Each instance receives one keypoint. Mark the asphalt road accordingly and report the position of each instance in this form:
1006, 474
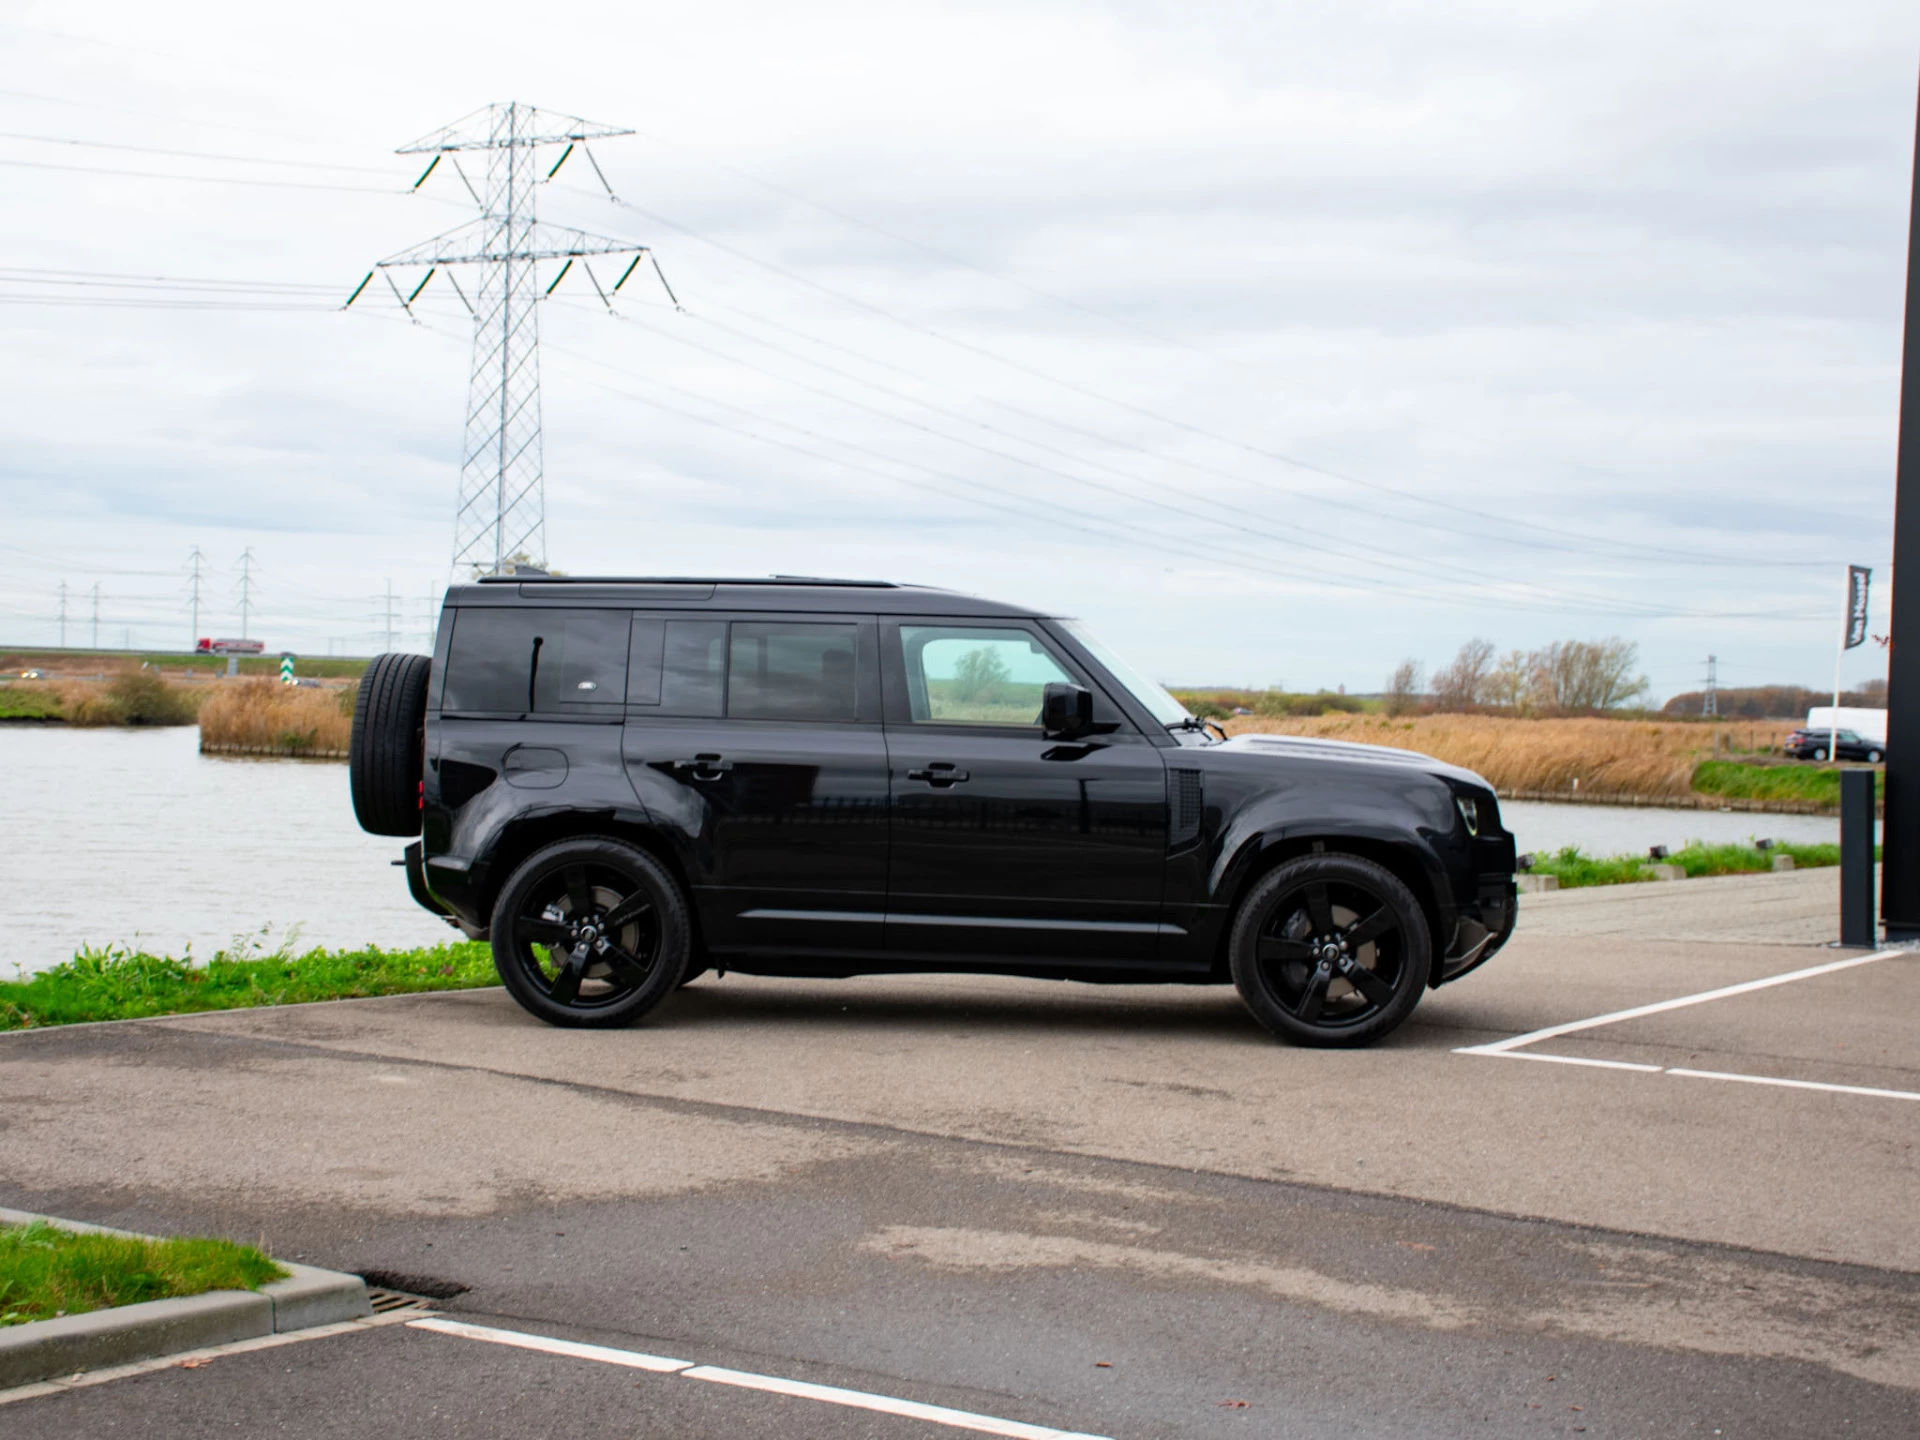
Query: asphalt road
1118, 1213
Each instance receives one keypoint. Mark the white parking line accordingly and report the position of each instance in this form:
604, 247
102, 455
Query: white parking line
746, 1379
1509, 1049
1499, 1047
547, 1344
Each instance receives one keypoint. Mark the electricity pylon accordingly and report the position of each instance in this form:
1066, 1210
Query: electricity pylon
500, 512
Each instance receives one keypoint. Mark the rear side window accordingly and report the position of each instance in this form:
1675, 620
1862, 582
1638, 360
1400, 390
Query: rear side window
781, 670
553, 661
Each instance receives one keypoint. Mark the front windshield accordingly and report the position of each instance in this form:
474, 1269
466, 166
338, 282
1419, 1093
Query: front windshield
1150, 693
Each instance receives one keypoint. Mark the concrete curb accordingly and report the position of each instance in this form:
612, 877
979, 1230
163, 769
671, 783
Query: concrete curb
42, 1349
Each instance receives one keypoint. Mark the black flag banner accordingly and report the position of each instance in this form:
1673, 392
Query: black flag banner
1858, 577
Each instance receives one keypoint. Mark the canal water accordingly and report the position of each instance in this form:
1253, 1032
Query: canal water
132, 837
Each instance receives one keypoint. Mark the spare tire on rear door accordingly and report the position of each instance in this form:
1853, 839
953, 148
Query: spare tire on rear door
384, 757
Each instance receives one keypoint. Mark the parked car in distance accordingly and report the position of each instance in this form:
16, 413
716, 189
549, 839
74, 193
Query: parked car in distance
33, 674
1844, 744
622, 783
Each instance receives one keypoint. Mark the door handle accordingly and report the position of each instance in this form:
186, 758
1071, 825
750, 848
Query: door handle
940, 774
704, 767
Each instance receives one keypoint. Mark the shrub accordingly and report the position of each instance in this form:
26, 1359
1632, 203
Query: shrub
262, 713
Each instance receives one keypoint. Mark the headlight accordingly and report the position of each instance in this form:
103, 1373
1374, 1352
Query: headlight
1469, 812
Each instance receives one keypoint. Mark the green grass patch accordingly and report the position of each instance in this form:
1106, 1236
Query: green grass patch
1574, 868
321, 667
46, 1272
29, 702
1813, 782
123, 984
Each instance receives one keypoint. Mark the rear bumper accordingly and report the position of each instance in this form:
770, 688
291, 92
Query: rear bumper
424, 896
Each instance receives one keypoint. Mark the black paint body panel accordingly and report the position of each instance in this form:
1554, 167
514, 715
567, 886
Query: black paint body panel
844, 847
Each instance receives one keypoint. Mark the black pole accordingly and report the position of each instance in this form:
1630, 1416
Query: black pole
1900, 865
1856, 860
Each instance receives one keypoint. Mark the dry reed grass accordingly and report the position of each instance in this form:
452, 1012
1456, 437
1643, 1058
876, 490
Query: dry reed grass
262, 714
1607, 757
132, 698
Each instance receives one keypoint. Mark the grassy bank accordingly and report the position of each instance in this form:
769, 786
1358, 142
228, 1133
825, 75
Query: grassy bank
1816, 784
61, 663
120, 984
30, 702
138, 697
46, 1272
1574, 868
264, 715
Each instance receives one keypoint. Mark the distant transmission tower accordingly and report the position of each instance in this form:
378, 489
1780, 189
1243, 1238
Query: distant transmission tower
1710, 704
63, 614
246, 589
501, 508
195, 557
389, 614
96, 616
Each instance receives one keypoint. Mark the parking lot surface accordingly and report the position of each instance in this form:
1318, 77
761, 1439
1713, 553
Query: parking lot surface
1110, 1212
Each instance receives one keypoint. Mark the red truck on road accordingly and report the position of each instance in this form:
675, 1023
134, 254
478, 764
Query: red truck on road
230, 647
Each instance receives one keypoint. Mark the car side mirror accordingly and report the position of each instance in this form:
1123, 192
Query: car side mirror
1066, 710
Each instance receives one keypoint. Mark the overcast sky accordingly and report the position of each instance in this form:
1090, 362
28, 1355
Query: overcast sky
1278, 341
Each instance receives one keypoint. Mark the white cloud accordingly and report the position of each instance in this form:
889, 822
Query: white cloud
1623, 276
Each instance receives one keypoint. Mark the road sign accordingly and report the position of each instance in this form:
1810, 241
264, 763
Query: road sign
286, 669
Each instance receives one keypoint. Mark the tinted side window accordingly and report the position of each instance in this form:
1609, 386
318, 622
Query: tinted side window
514, 661
976, 675
789, 671
693, 667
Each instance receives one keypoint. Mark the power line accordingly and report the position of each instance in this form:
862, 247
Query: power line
203, 179
1235, 516
187, 154
1142, 411
1157, 541
1581, 602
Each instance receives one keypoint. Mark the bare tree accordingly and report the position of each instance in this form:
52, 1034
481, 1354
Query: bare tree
1510, 683
1403, 689
1571, 675
1466, 682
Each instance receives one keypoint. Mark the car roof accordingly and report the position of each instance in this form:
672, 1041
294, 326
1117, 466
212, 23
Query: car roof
774, 592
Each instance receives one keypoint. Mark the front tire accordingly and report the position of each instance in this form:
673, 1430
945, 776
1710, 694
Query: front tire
1330, 950
1873, 757
590, 932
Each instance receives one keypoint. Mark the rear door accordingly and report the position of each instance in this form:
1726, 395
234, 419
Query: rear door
1007, 845
755, 741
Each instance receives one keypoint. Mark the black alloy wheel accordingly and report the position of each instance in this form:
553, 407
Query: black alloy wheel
590, 932
1330, 950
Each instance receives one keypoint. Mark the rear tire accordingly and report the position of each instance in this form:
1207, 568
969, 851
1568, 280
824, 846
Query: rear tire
1819, 754
1330, 950
590, 932
386, 752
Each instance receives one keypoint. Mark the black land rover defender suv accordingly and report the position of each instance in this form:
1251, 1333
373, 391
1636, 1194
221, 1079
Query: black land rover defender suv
624, 782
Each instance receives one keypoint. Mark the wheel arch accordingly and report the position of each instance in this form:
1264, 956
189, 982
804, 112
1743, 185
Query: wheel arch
1406, 860
522, 838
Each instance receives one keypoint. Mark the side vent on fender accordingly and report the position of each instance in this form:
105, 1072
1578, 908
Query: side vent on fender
1186, 798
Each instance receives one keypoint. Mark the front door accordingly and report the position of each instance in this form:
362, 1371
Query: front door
1007, 845
756, 744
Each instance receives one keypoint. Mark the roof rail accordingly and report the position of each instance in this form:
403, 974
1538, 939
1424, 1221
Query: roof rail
528, 578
